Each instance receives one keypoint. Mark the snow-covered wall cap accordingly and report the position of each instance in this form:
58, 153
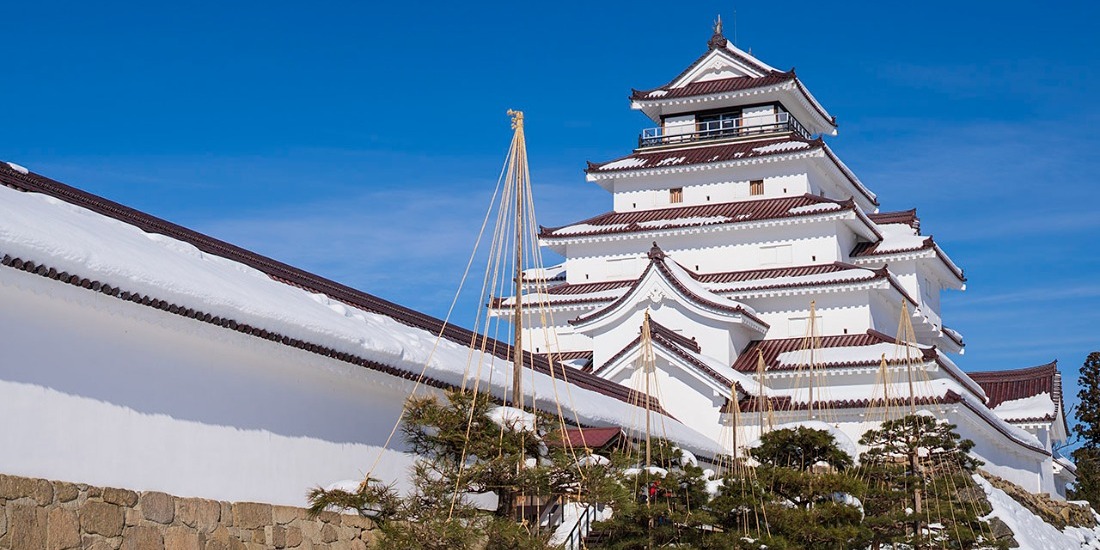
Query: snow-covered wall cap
51, 232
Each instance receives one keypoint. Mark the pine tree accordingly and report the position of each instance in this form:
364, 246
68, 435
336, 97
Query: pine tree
918, 474
807, 487
1087, 457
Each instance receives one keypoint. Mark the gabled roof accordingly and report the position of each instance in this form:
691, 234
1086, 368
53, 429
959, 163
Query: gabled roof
730, 282
687, 288
702, 215
596, 439
751, 73
707, 87
687, 350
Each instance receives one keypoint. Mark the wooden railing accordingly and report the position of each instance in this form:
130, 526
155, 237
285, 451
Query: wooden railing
722, 129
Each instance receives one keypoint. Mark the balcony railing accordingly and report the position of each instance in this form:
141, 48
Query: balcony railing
721, 129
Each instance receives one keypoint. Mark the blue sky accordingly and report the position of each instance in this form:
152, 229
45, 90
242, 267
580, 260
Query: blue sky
362, 142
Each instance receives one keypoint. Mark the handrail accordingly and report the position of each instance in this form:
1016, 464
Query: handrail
723, 128
580, 529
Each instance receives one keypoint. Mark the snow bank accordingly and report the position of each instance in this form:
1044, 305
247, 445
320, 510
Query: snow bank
1036, 406
1029, 530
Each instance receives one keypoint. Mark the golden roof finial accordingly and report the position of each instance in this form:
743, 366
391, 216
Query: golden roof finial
517, 118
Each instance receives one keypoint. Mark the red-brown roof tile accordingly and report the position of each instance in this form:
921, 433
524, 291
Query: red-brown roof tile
708, 87
1009, 385
705, 154
907, 217
733, 212
592, 438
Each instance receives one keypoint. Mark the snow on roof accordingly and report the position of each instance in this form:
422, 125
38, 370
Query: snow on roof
848, 355
897, 237
17, 168
711, 214
705, 154
784, 146
1036, 407
853, 274
695, 287
42, 228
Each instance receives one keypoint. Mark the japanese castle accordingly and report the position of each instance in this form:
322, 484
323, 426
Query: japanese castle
774, 284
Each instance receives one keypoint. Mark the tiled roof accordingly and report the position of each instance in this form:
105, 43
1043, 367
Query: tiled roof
908, 217
587, 288
705, 154
1010, 385
592, 438
771, 273
698, 215
283, 273
678, 344
708, 87
871, 249
657, 261
746, 361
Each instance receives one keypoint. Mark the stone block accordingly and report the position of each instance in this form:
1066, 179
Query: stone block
65, 492
293, 537
328, 533
63, 530
28, 528
12, 488
158, 507
181, 538
283, 515
133, 517
357, 545
199, 513
92, 542
358, 522
251, 515
329, 517
275, 536
142, 537
101, 518
3, 521
122, 497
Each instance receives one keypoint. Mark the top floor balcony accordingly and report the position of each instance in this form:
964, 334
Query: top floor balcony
722, 128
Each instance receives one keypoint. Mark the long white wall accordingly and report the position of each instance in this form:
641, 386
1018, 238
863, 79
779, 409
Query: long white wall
106, 392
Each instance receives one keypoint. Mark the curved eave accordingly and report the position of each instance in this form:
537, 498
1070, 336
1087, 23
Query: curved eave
813, 115
595, 174
701, 303
849, 213
928, 249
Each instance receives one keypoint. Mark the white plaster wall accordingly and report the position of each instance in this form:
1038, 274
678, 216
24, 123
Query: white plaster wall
836, 312
676, 125
708, 252
102, 391
682, 395
784, 178
758, 115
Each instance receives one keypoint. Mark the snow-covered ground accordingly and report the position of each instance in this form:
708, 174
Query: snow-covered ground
1031, 531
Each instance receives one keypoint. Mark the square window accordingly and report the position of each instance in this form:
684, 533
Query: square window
676, 195
756, 187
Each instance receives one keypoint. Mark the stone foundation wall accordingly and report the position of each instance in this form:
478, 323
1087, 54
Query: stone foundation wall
38, 514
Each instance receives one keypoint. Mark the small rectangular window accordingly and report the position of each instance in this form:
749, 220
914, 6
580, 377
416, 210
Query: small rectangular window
676, 195
756, 187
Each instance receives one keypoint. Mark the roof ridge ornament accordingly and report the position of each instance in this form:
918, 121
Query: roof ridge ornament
656, 253
717, 40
